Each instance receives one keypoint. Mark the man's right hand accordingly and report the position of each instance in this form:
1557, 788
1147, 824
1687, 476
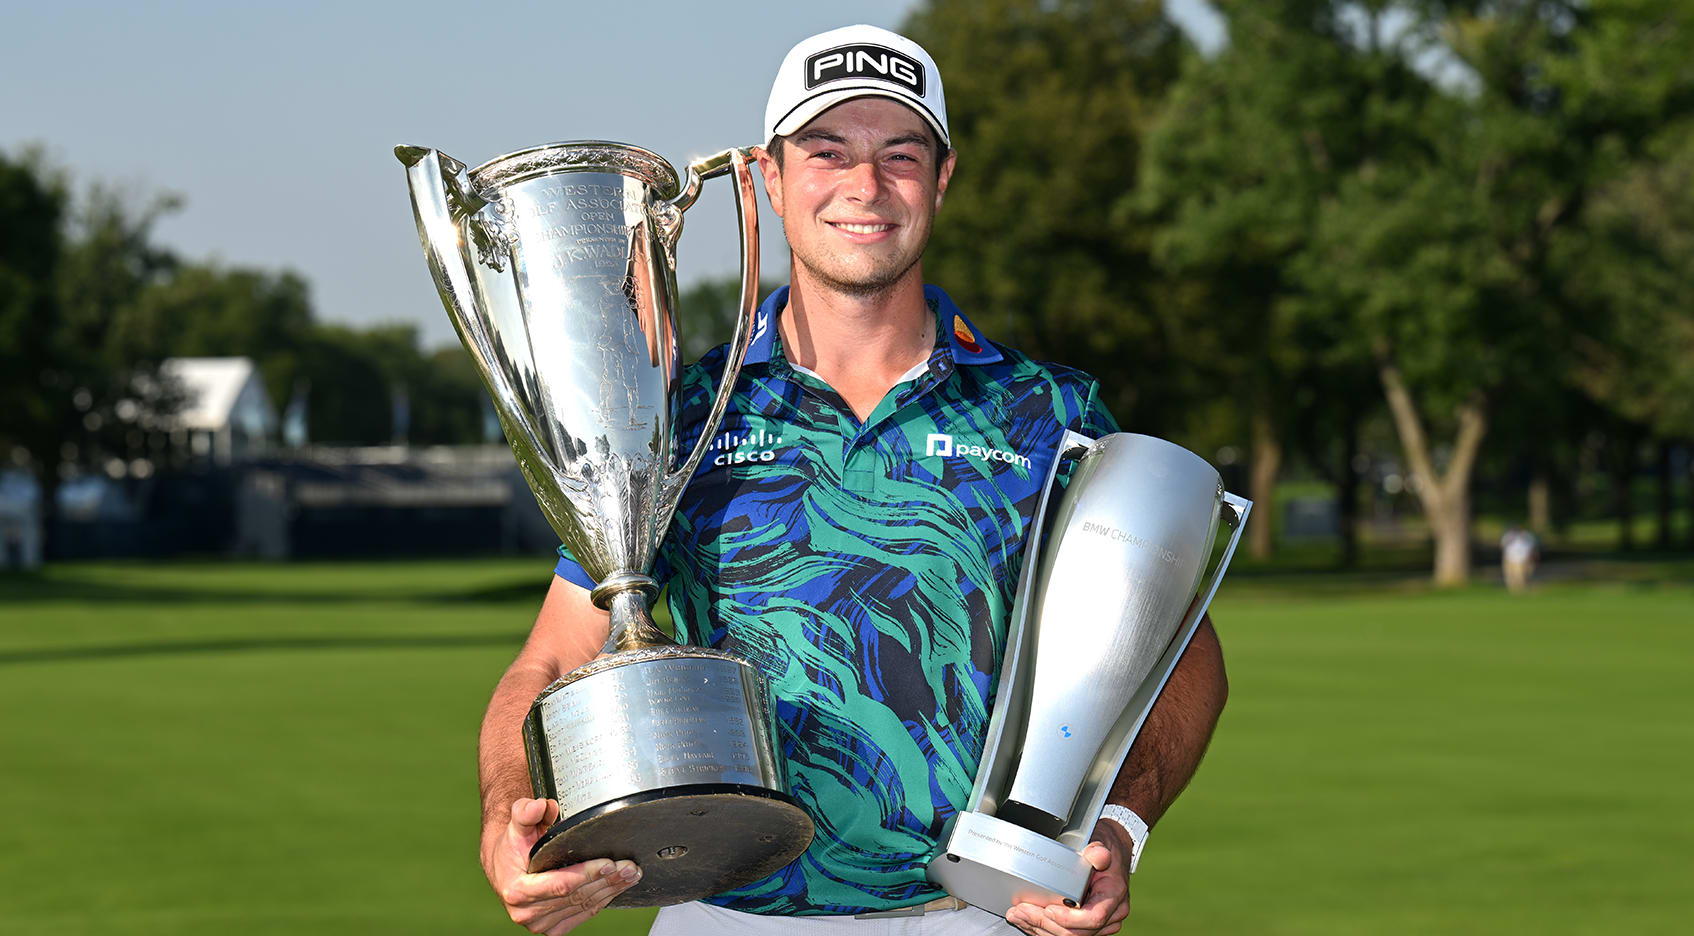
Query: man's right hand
552, 902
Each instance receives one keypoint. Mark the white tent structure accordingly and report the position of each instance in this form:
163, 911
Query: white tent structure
225, 410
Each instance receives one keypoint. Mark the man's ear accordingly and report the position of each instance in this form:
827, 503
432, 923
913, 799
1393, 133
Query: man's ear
944, 177
772, 174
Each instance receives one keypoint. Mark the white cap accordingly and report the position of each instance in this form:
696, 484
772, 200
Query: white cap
853, 61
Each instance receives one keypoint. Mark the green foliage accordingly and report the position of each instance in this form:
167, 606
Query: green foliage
31, 217
71, 273
1047, 104
89, 306
706, 317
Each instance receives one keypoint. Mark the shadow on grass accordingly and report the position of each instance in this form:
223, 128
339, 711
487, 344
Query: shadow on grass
41, 587
254, 644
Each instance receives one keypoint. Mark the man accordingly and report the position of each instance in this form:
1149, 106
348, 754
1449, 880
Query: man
857, 535
1518, 552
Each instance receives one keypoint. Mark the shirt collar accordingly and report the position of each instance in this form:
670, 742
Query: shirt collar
966, 341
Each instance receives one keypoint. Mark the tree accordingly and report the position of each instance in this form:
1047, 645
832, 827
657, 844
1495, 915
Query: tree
32, 212
1245, 151
71, 272
203, 310
1048, 103
1452, 260
707, 311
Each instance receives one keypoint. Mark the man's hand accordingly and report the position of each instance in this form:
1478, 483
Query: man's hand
552, 902
1104, 905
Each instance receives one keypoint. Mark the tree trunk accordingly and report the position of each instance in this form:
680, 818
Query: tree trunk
48, 480
1623, 476
1267, 461
1540, 502
1347, 493
1688, 447
1667, 497
1445, 497
1449, 523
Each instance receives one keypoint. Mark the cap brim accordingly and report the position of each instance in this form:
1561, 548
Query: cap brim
803, 112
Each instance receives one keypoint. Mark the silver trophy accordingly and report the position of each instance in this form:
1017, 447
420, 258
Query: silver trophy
1102, 614
557, 265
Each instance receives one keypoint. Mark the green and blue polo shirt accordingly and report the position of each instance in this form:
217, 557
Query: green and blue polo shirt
868, 569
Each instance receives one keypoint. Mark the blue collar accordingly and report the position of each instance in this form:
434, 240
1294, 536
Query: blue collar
964, 339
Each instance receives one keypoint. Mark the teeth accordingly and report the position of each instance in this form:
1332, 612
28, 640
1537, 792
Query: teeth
863, 228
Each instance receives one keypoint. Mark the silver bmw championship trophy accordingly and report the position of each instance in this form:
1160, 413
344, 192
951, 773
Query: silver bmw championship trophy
1102, 614
557, 265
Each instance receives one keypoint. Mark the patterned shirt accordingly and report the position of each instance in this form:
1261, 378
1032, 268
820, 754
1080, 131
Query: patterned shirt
868, 569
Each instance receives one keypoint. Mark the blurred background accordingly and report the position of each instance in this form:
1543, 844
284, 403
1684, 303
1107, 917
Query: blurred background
1417, 276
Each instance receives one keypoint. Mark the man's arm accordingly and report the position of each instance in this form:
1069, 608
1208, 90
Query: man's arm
1174, 738
1159, 766
568, 632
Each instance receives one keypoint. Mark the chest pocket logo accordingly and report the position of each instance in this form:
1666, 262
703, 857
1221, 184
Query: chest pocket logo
942, 445
740, 448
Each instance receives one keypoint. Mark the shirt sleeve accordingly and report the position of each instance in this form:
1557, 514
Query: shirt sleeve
571, 571
1097, 420
568, 569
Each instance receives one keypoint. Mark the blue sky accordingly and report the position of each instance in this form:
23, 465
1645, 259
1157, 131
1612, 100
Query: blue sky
276, 122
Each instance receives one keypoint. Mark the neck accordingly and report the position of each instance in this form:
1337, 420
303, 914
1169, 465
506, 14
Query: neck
861, 344
834, 333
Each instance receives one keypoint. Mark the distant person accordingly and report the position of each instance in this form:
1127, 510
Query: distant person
1518, 552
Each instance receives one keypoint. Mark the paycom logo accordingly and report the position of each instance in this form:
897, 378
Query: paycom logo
943, 445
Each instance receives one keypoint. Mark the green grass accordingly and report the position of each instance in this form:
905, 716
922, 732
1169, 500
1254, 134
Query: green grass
212, 748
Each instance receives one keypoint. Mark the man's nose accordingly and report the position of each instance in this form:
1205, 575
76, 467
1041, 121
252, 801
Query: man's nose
864, 182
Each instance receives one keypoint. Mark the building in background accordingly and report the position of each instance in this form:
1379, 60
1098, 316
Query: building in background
226, 414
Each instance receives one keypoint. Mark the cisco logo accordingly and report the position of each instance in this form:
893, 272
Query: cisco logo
742, 448
941, 444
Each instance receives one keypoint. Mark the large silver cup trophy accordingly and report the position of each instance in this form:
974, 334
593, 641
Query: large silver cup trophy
1102, 614
557, 265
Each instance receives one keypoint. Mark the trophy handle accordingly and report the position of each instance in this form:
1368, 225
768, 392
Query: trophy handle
442, 196
1234, 515
734, 161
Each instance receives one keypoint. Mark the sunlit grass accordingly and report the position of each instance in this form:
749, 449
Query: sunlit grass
211, 748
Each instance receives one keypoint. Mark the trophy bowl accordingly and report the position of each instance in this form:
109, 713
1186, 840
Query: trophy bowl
557, 266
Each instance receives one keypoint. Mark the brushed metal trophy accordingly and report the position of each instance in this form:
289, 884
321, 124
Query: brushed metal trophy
557, 265
1101, 616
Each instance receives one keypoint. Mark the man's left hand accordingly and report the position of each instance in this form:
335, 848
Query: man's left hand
1105, 903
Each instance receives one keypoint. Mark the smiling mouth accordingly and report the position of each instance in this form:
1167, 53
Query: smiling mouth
862, 228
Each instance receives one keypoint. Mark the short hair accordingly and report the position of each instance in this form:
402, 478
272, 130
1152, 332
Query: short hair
774, 147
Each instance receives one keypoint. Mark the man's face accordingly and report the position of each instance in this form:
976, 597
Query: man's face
857, 192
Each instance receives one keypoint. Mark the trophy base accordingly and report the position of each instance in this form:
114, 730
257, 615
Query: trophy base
690, 841
992, 864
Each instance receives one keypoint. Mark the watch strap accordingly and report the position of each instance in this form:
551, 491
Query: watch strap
1131, 823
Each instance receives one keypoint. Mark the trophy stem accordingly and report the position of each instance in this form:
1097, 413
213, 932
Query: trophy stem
632, 625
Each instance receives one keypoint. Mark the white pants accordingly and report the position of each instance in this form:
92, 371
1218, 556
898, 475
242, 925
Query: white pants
698, 919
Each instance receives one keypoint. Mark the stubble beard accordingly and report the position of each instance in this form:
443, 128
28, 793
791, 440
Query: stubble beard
883, 276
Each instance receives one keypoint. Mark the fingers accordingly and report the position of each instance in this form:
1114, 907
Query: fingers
1098, 856
534, 813
1033, 919
566, 913
578, 885
555, 901
1105, 906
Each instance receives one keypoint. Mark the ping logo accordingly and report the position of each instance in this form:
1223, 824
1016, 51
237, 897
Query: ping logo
864, 61
741, 448
939, 443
